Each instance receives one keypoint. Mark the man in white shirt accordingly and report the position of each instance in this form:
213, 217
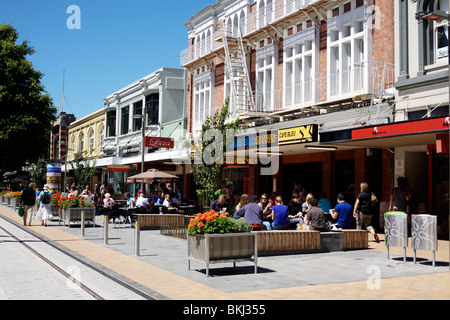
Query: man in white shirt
142, 201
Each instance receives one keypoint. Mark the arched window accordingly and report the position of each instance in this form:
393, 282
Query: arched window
81, 143
91, 142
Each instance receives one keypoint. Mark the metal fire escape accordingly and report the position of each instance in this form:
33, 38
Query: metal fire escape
242, 101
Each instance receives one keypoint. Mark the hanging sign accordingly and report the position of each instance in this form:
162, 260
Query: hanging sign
159, 143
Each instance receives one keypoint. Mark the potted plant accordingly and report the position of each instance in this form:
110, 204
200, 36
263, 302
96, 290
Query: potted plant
14, 199
215, 237
54, 201
5, 197
72, 207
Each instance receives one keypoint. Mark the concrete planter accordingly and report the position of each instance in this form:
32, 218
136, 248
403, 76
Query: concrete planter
215, 248
74, 215
14, 203
5, 200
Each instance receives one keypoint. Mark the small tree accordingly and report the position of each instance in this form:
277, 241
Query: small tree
83, 168
207, 173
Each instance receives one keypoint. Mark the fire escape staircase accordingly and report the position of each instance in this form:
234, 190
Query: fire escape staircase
241, 93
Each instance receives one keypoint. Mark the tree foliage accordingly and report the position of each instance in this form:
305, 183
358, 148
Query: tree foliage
208, 174
83, 168
26, 110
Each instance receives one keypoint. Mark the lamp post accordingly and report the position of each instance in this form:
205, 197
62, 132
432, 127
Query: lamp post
142, 117
439, 16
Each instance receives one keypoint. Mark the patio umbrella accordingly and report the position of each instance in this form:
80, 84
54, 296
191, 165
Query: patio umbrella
149, 176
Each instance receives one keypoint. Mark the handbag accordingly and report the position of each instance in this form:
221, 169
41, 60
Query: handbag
373, 200
21, 211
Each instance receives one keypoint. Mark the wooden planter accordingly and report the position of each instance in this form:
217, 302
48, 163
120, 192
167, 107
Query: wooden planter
74, 214
216, 248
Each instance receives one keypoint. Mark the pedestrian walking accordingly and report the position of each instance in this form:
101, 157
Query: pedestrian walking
363, 210
45, 210
28, 199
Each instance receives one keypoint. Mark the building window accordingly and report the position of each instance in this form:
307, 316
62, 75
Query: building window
81, 144
202, 103
152, 109
441, 32
264, 82
91, 141
137, 110
124, 121
346, 52
111, 124
299, 71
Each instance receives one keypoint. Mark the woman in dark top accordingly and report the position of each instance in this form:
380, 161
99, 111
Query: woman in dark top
363, 210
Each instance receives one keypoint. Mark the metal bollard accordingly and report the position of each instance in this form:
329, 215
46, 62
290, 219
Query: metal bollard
137, 239
82, 223
105, 230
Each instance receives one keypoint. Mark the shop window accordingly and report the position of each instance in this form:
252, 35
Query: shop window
152, 109
125, 117
137, 110
111, 124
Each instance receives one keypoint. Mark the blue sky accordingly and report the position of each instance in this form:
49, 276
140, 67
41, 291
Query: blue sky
119, 42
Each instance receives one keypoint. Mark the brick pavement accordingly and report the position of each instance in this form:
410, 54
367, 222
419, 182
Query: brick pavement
175, 286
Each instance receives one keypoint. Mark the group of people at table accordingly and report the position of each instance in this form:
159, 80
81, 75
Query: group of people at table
271, 214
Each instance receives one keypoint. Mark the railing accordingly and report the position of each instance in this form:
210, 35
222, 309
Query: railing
362, 80
272, 11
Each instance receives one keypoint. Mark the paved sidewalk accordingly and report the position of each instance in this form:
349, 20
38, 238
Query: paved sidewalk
162, 269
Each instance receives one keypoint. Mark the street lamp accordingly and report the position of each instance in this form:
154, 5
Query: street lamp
142, 117
440, 16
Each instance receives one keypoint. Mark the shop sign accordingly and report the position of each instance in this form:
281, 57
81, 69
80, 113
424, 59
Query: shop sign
297, 135
159, 143
53, 169
118, 169
255, 140
403, 128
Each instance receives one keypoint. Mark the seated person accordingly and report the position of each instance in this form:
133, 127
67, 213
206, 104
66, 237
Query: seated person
253, 213
280, 215
219, 205
108, 202
168, 204
343, 213
131, 203
295, 210
315, 217
142, 201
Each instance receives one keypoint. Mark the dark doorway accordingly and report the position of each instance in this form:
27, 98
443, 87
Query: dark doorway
309, 175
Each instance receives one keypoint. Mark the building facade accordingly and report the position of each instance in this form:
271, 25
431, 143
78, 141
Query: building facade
85, 138
159, 101
304, 73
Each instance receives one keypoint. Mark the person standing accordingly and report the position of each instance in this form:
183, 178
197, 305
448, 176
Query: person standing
28, 199
342, 213
399, 196
46, 207
363, 210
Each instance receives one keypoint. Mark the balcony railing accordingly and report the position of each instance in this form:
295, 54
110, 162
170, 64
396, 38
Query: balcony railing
362, 81
261, 18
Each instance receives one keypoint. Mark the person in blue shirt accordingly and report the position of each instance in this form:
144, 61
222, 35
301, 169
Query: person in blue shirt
324, 203
343, 213
280, 215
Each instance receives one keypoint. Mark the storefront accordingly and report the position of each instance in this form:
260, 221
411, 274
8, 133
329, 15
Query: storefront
419, 152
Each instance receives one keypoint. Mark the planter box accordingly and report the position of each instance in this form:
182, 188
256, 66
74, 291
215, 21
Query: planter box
14, 203
216, 248
5, 200
74, 214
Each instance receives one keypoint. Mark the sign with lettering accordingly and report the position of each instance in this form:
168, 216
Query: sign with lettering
159, 143
402, 128
304, 134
